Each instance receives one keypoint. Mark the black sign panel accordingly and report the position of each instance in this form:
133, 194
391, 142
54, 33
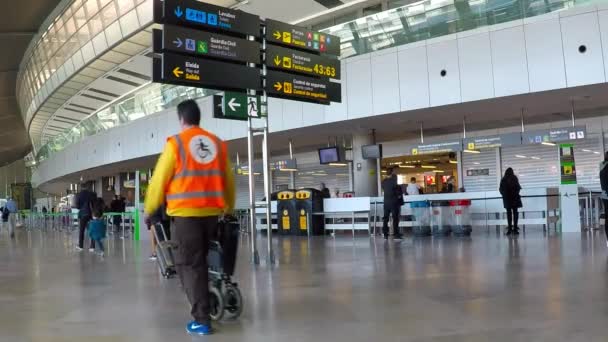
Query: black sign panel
478, 143
438, 147
203, 73
289, 86
208, 17
554, 135
299, 37
302, 62
207, 44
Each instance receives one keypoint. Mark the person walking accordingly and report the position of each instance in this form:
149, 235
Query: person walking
509, 190
11, 208
84, 202
604, 195
393, 200
194, 175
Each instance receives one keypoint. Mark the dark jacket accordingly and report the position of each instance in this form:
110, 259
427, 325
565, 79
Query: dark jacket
509, 189
84, 202
604, 176
325, 193
393, 194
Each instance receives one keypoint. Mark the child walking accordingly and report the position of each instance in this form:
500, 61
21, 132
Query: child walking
97, 230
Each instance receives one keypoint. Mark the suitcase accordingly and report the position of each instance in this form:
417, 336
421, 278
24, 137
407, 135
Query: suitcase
228, 237
164, 254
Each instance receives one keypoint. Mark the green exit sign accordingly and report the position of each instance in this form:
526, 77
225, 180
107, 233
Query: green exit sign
237, 106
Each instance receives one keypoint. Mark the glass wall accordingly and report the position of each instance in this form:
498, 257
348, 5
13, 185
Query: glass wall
399, 25
403, 24
148, 100
79, 22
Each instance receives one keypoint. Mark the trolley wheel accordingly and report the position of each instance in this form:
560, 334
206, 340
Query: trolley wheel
216, 303
233, 301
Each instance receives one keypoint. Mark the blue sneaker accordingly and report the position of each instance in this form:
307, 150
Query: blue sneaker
194, 328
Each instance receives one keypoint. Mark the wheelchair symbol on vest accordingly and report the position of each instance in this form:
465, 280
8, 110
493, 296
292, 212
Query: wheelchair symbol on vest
203, 149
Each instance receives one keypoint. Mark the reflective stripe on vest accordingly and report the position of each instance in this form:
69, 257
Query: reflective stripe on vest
197, 194
180, 148
201, 173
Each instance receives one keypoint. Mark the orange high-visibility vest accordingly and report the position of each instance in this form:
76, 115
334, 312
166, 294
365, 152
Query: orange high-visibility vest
199, 179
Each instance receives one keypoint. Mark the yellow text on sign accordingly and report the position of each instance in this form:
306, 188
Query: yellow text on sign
287, 62
287, 37
287, 88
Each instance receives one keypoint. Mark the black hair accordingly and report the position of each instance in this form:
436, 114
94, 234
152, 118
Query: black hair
509, 172
606, 156
413, 179
189, 112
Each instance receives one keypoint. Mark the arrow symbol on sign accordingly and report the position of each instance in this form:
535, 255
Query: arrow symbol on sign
278, 86
178, 42
177, 72
277, 35
233, 105
178, 12
277, 60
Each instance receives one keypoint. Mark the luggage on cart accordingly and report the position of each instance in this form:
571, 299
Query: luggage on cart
164, 253
225, 296
228, 239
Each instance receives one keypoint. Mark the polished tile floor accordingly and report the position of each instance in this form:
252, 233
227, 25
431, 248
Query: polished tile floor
486, 288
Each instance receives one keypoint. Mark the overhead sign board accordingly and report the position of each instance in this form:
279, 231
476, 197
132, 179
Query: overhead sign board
203, 73
554, 135
206, 44
206, 16
302, 62
438, 147
492, 141
299, 37
290, 86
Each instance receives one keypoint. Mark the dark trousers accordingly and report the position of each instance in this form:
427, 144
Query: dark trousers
395, 211
605, 203
82, 225
512, 217
191, 236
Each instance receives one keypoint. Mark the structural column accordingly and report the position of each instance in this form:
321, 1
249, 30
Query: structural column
363, 171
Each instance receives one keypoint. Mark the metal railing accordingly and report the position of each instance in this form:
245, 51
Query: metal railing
68, 221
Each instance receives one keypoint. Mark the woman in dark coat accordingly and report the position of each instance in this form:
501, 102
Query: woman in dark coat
509, 189
604, 195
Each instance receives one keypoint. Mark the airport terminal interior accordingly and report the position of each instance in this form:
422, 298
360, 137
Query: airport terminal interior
311, 170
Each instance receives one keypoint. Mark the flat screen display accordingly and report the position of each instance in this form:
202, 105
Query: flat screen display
329, 155
371, 151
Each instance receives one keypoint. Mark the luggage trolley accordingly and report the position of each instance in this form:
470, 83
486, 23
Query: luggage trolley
225, 297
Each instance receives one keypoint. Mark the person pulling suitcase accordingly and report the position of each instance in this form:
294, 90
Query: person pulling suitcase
194, 176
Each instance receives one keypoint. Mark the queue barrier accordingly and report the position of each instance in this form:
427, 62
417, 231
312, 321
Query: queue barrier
68, 221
